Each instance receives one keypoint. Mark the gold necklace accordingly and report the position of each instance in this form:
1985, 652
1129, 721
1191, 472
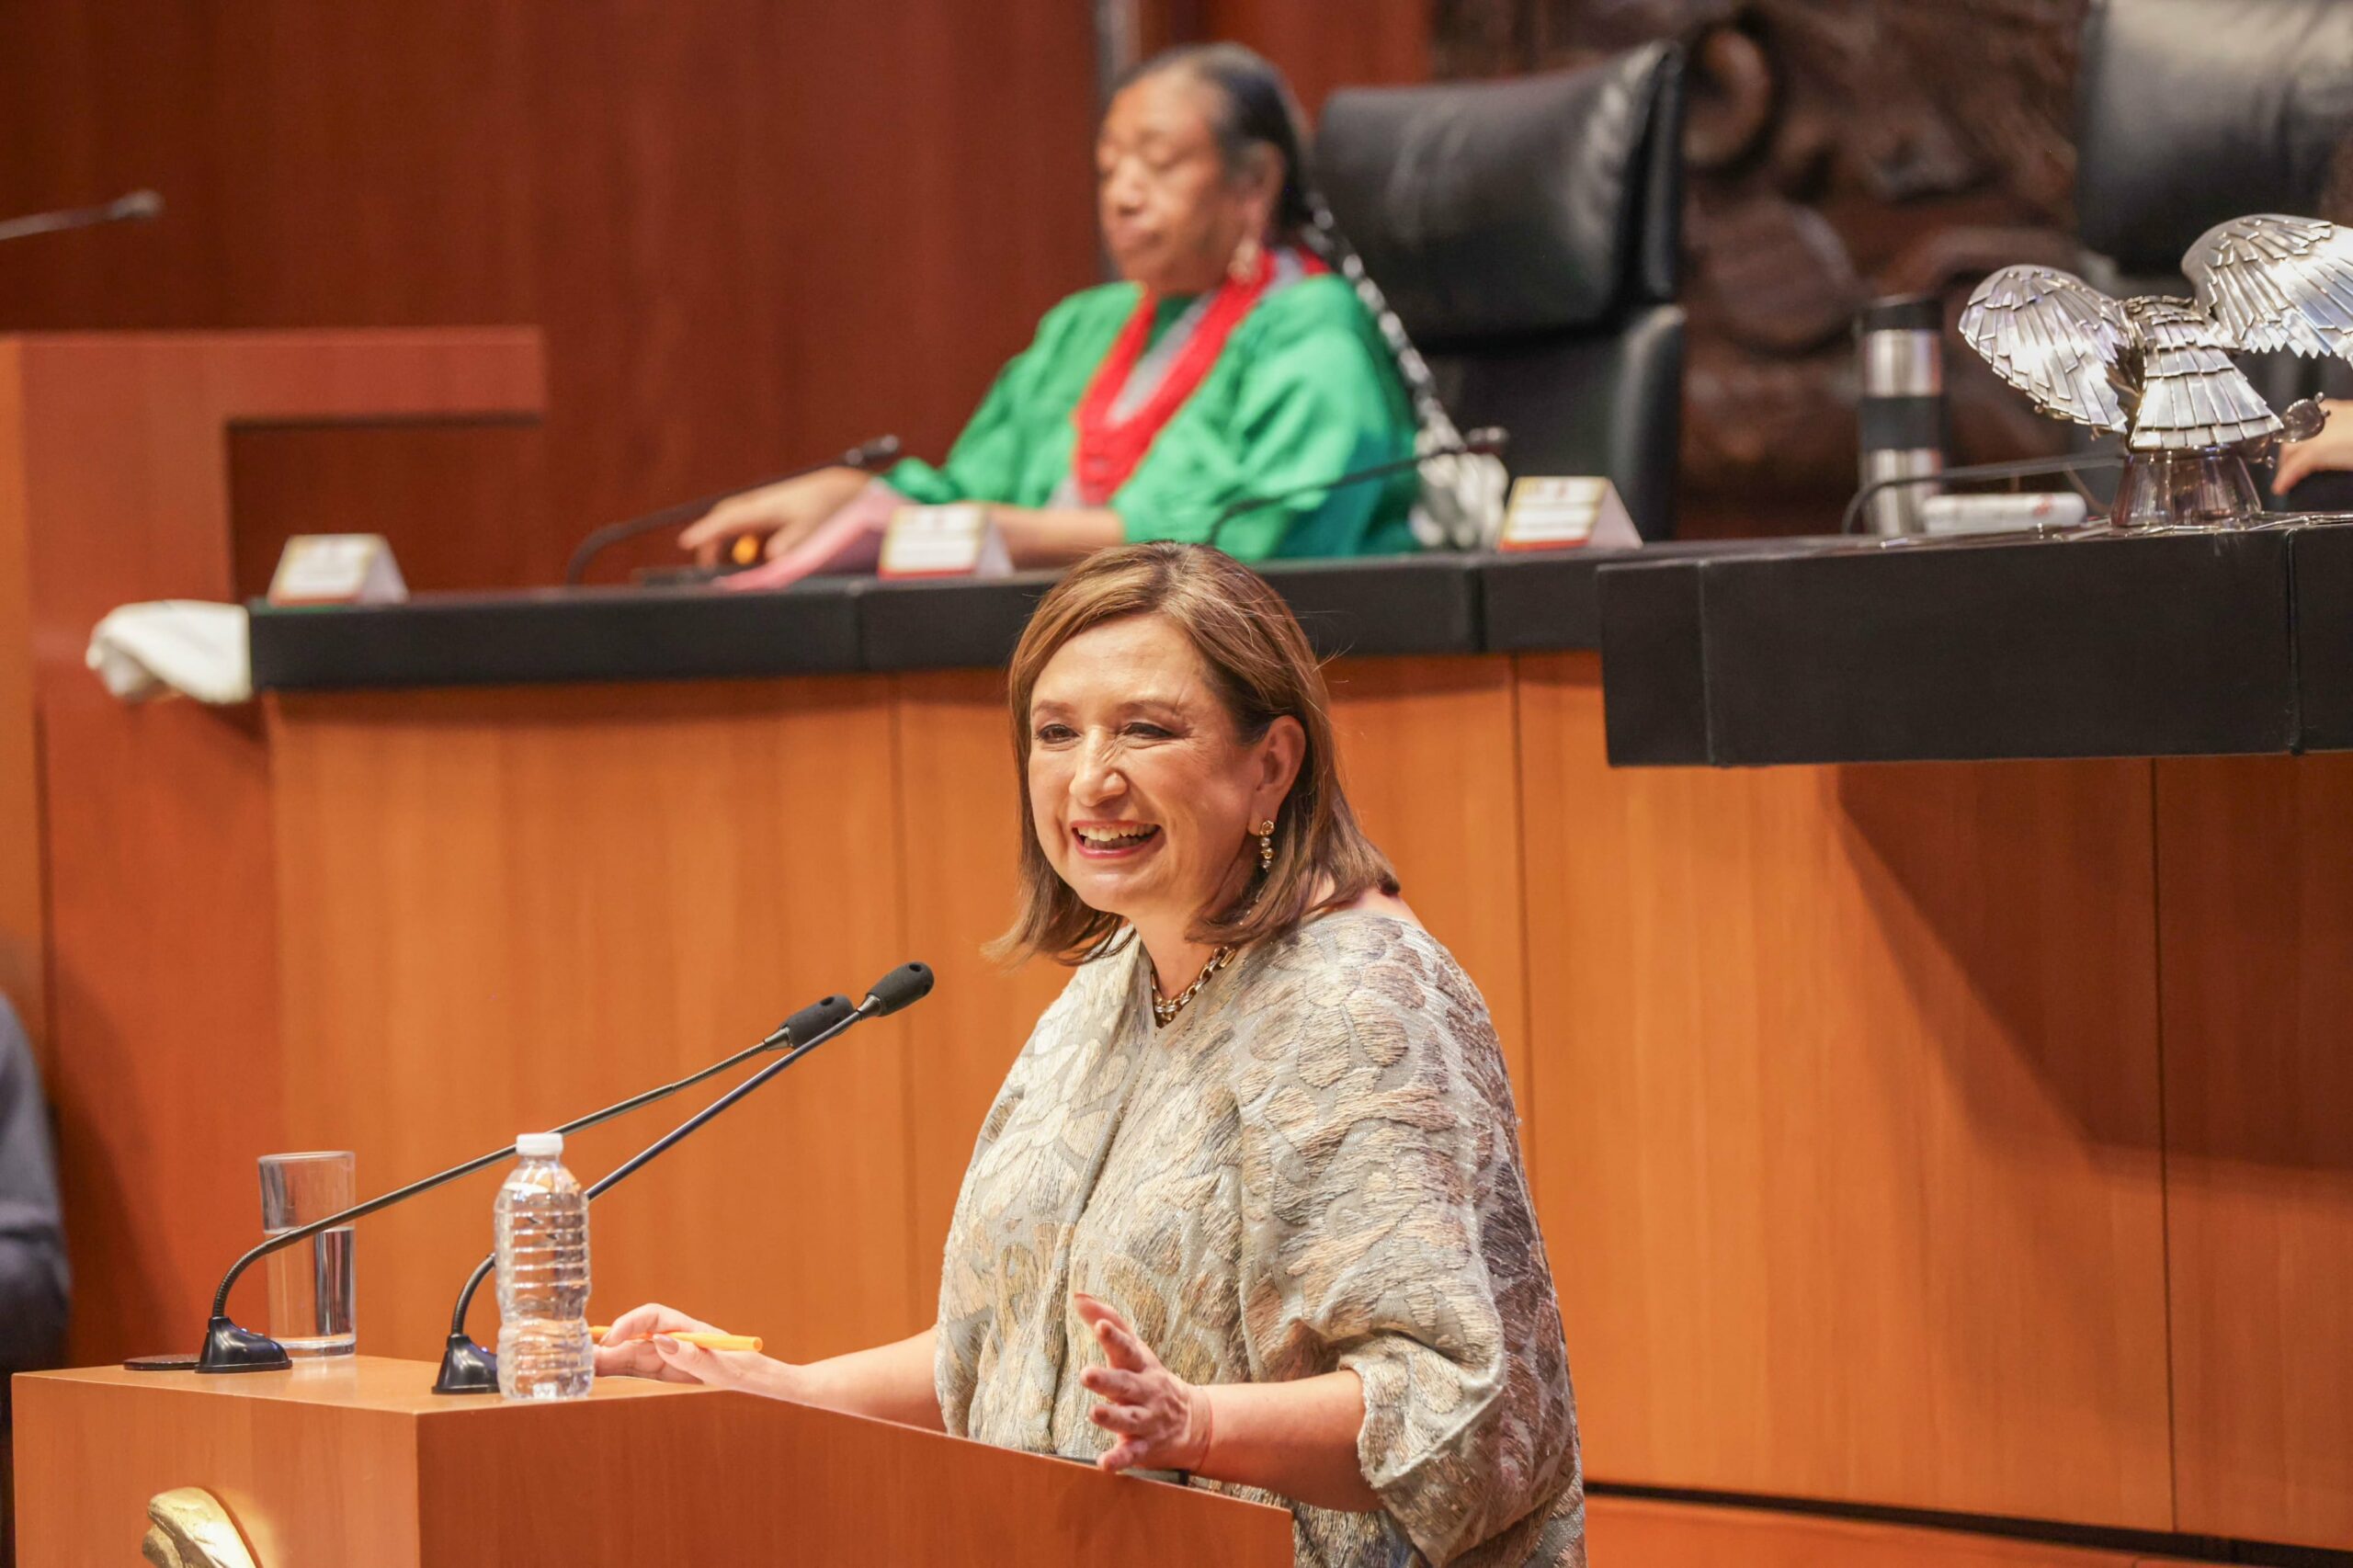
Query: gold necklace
1165, 1008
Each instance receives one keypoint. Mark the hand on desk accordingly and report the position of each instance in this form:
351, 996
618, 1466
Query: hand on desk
787, 513
623, 1355
849, 540
891, 1381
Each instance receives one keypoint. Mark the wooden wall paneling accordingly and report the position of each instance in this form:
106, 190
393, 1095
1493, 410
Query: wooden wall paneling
2255, 926
754, 233
1320, 46
957, 808
161, 1005
1633, 1533
1426, 748
24, 914
164, 1074
502, 909
1848, 1084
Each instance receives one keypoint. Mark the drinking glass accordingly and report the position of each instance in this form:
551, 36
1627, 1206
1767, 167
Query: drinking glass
309, 1283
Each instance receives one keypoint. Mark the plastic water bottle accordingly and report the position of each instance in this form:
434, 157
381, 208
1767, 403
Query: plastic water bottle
544, 1351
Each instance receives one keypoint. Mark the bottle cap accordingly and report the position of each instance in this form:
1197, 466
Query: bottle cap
540, 1145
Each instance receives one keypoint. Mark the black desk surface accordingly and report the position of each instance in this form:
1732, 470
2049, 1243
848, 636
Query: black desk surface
1732, 653
2164, 645
1423, 604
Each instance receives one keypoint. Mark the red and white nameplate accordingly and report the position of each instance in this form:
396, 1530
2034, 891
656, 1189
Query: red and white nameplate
1567, 514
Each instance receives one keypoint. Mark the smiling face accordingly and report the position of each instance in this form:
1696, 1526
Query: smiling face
1172, 212
1140, 792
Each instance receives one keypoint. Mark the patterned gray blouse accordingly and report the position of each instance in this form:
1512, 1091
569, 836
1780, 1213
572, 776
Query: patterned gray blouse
1316, 1166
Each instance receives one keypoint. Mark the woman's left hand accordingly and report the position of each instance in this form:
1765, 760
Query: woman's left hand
1162, 1420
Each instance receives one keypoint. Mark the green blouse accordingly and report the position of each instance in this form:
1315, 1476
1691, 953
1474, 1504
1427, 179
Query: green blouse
1303, 391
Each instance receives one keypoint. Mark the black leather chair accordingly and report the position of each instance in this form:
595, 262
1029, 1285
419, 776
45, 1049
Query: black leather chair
1527, 232
2192, 111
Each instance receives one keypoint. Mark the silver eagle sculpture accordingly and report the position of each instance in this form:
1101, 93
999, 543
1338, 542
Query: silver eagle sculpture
2158, 371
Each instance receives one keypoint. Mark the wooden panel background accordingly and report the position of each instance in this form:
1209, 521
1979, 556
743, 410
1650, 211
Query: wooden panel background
2257, 930
154, 834
24, 913
1627, 1533
1846, 1112
1420, 743
754, 233
1320, 46
958, 821
503, 909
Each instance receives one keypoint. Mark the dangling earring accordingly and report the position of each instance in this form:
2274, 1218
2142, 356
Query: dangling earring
1243, 265
1265, 832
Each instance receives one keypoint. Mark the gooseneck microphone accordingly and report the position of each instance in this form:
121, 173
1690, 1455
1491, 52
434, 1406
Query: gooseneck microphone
136, 208
903, 987
866, 455
230, 1349
467, 1368
1481, 442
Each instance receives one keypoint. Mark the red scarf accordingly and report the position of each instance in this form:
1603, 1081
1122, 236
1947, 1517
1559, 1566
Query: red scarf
1106, 453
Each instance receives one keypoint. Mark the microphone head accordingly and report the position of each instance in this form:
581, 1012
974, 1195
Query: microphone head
909, 983
815, 1019
137, 207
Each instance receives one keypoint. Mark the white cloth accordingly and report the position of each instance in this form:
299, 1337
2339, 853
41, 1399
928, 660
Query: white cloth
180, 645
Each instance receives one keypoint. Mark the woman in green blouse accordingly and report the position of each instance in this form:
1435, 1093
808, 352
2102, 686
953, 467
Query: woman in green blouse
1232, 363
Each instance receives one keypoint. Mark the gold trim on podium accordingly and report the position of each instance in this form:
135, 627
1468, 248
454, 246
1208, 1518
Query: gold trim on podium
188, 1528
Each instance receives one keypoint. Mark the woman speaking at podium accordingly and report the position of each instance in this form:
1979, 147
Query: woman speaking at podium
1250, 1203
1231, 363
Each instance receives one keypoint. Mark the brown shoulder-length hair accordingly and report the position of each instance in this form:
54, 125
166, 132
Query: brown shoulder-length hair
1262, 669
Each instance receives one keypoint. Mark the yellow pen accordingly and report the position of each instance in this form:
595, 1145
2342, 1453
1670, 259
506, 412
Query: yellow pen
684, 1336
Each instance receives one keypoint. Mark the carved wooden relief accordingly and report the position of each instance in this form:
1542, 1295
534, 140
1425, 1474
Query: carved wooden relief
1837, 151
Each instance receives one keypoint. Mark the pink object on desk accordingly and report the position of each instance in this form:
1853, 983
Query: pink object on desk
848, 542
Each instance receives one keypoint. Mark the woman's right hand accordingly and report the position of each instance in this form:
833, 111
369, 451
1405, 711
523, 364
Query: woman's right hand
672, 1361
786, 512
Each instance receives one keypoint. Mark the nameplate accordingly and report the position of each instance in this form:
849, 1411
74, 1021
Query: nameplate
338, 569
2002, 512
1567, 514
942, 542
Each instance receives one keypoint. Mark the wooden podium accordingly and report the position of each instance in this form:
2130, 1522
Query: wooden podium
355, 1464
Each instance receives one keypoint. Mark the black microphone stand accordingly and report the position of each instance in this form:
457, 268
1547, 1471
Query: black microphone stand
869, 454
1482, 443
466, 1367
230, 1349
